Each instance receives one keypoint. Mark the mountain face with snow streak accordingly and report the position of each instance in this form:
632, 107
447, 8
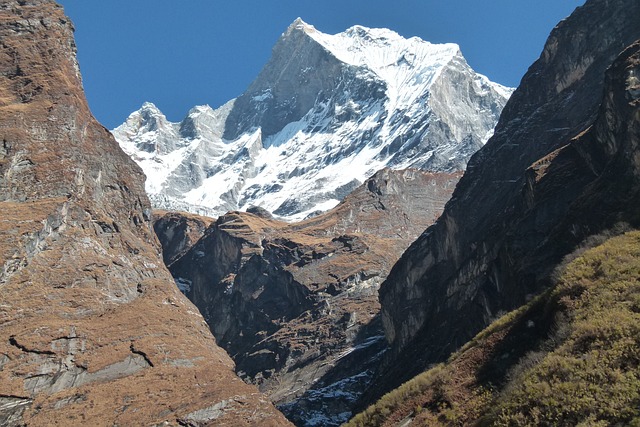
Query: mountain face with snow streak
324, 114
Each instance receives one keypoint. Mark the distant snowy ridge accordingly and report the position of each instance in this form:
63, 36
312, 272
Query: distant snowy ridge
324, 114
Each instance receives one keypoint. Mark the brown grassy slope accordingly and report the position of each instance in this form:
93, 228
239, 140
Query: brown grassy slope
570, 357
92, 329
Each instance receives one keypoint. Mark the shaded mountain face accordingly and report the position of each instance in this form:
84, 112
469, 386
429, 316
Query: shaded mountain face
295, 304
93, 330
325, 113
562, 165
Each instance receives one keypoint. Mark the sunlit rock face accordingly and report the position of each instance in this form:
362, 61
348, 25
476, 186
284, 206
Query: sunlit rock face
93, 330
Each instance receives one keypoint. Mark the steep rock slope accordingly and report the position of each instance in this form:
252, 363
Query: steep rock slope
296, 304
529, 196
325, 113
92, 329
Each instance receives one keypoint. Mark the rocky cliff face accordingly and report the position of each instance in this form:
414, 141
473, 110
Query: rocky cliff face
325, 113
178, 232
562, 165
296, 304
92, 329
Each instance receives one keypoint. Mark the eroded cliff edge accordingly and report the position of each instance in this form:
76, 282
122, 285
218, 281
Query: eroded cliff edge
92, 328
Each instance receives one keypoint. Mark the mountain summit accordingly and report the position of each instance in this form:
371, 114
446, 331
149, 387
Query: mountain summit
325, 113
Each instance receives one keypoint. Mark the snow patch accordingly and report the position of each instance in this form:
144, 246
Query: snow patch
183, 284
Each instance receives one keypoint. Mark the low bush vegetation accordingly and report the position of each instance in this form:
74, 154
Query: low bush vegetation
592, 378
585, 373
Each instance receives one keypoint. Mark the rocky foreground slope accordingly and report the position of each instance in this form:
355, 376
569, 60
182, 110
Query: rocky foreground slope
295, 304
563, 164
325, 113
92, 328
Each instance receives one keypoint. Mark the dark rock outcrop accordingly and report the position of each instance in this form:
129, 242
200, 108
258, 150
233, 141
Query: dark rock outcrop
92, 329
563, 165
178, 232
296, 304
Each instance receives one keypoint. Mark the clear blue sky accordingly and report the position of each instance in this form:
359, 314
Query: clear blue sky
178, 54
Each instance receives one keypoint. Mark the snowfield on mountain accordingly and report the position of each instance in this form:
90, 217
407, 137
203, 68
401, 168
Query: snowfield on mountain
324, 114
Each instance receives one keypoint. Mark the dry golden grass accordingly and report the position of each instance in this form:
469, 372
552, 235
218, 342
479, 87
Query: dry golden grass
584, 373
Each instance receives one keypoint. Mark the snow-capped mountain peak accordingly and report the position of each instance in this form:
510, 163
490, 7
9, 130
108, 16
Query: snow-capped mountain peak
325, 113
147, 118
148, 130
379, 48
300, 25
